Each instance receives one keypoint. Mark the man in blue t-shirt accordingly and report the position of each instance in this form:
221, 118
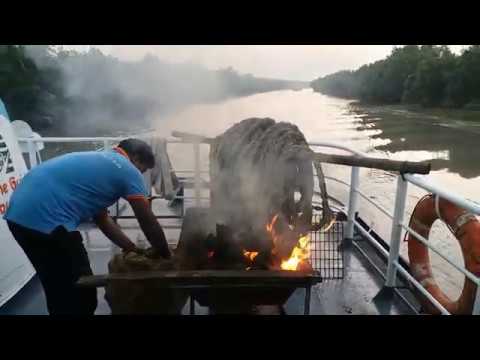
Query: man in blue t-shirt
56, 196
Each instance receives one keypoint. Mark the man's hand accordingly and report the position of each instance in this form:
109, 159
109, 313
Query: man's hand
135, 249
150, 226
113, 232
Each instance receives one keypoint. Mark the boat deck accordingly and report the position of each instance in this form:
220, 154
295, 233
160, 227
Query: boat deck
353, 295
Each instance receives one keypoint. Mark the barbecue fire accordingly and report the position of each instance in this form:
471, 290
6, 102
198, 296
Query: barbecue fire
327, 227
299, 254
272, 223
272, 232
251, 255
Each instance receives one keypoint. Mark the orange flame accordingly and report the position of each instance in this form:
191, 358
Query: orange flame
328, 227
300, 253
250, 254
272, 231
270, 225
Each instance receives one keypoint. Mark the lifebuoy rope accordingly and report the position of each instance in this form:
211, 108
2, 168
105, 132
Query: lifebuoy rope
437, 210
459, 222
437, 206
413, 215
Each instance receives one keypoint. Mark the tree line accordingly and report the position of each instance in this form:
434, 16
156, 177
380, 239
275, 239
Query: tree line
428, 75
50, 87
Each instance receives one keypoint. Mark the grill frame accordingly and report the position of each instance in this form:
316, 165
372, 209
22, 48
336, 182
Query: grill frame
327, 249
240, 288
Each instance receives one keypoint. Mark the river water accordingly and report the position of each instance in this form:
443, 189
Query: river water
451, 145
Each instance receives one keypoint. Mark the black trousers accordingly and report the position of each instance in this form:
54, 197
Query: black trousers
59, 260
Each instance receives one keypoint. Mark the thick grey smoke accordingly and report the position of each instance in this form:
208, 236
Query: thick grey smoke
102, 94
257, 165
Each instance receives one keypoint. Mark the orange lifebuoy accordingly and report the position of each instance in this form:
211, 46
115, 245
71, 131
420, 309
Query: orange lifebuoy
466, 228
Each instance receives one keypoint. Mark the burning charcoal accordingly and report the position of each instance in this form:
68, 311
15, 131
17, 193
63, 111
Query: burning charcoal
305, 266
227, 253
284, 239
285, 244
263, 261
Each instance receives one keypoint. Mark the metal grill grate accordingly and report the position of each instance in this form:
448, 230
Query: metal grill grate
326, 250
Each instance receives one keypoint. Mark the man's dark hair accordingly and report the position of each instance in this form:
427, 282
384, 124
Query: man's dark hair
138, 149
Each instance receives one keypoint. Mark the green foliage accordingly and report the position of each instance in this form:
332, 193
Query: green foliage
24, 87
428, 75
82, 92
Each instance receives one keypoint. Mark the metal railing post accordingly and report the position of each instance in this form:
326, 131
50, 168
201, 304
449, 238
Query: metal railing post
352, 202
32, 156
196, 151
396, 233
476, 304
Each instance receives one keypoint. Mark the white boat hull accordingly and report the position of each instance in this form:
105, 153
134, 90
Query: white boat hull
15, 268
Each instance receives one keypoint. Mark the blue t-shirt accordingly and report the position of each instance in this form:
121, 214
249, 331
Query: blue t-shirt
72, 188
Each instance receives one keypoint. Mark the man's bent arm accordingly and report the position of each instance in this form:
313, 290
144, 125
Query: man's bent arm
112, 231
150, 226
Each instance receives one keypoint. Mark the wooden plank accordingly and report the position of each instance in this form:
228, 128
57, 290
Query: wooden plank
403, 167
192, 137
212, 278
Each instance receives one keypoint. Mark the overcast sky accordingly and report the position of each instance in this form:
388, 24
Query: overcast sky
296, 62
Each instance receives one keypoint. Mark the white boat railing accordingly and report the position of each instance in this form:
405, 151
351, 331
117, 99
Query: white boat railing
398, 224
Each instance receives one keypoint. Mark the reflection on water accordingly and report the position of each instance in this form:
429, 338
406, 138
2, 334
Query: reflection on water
451, 147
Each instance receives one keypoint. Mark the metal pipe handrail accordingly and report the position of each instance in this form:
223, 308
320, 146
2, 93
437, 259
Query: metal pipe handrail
456, 199
378, 206
119, 138
371, 239
421, 288
336, 146
448, 259
191, 171
363, 195
400, 268
87, 139
337, 180
404, 272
